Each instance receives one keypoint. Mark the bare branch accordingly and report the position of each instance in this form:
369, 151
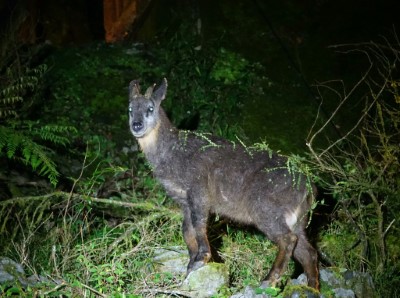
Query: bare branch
335, 112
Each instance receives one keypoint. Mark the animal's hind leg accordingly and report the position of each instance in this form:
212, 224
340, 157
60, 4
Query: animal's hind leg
286, 243
308, 258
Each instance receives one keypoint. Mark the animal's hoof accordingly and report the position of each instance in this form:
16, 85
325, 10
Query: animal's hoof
314, 283
197, 265
198, 262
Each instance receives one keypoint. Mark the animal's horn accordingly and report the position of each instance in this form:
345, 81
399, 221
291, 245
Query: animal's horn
149, 91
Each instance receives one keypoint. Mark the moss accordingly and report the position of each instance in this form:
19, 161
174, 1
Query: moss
300, 291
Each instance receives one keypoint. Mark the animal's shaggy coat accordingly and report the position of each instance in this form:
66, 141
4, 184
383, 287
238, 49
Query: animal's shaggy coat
206, 174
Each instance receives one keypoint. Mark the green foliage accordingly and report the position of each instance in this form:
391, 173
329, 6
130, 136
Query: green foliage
92, 88
229, 67
91, 253
19, 138
20, 145
296, 165
271, 291
208, 82
116, 259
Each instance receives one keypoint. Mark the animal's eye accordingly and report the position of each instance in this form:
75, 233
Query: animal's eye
150, 109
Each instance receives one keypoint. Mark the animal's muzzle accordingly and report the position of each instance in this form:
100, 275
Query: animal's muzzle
137, 126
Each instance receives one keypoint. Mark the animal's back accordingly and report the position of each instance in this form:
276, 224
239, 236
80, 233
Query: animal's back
239, 182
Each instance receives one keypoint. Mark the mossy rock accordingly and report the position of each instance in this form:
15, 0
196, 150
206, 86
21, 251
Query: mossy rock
300, 291
172, 259
207, 280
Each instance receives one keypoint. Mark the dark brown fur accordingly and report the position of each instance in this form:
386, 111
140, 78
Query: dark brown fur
205, 174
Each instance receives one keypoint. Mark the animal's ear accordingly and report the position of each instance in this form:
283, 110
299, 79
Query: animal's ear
161, 91
134, 89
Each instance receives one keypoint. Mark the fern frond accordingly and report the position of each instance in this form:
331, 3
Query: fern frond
16, 88
3, 137
15, 145
57, 134
6, 112
11, 141
10, 100
35, 155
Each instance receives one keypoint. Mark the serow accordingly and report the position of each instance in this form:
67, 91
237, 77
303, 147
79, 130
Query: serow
207, 175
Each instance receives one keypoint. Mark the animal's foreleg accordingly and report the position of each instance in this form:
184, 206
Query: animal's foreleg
189, 235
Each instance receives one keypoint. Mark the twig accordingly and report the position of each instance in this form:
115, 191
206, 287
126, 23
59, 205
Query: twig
17, 200
365, 44
310, 142
93, 290
73, 186
122, 237
56, 288
388, 227
380, 232
147, 206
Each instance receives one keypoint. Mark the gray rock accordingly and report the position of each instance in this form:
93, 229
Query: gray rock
10, 270
343, 293
360, 283
203, 282
173, 260
301, 280
13, 272
36, 279
207, 280
249, 292
332, 276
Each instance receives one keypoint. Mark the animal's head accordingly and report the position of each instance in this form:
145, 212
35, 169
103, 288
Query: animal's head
143, 109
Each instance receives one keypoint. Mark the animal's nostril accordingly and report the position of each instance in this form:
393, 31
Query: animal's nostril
137, 126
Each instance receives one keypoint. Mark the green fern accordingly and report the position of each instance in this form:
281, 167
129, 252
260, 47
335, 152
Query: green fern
16, 87
18, 146
20, 139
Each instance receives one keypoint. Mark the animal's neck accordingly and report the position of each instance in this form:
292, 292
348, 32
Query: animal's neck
159, 139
